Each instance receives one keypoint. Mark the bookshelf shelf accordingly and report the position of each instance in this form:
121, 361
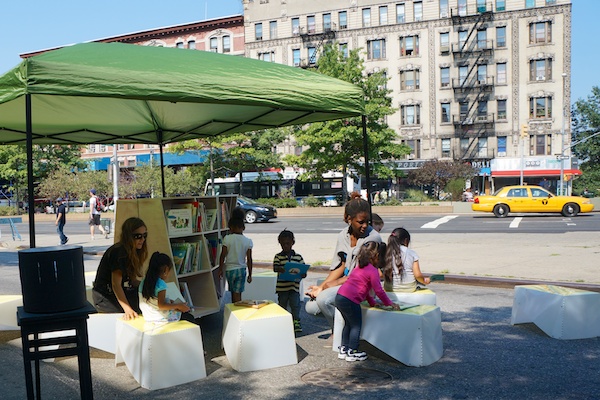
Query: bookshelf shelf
190, 232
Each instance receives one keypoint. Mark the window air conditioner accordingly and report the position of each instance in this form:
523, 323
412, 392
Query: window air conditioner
409, 87
539, 78
444, 15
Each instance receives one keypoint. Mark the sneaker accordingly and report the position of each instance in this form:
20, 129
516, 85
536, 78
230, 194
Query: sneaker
355, 355
106, 235
66, 240
297, 326
343, 352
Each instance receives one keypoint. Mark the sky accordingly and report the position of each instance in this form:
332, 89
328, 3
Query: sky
41, 24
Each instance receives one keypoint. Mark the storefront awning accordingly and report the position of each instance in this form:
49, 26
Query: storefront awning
536, 172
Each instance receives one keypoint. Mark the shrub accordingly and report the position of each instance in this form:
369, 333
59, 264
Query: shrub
312, 201
5, 210
392, 202
279, 202
416, 195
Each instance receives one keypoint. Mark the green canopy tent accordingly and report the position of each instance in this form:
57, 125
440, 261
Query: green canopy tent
113, 93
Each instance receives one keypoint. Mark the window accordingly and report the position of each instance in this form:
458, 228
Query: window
481, 8
366, 17
226, 44
411, 115
400, 18
179, 45
444, 42
214, 45
482, 147
540, 107
540, 32
482, 39
415, 147
500, 5
521, 192
310, 24
326, 22
409, 46
501, 36
444, 9
296, 57
445, 77
258, 31
383, 15
501, 146
268, 56
501, 105
445, 113
462, 39
540, 70
463, 71
445, 147
273, 30
540, 145
464, 146
344, 49
462, 8
529, 3
312, 55
550, 2
463, 107
481, 74
501, 74
376, 49
482, 111
295, 26
409, 80
192, 45
343, 19
418, 10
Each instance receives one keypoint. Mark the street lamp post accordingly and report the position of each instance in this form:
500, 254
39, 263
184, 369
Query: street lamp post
562, 140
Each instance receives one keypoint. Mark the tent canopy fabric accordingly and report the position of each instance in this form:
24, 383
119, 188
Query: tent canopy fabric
115, 93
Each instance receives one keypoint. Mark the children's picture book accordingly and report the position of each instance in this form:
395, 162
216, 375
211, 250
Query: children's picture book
179, 221
179, 252
185, 290
293, 272
174, 294
252, 303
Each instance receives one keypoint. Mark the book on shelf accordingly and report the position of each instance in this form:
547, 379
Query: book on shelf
179, 221
185, 290
179, 251
211, 219
212, 247
224, 214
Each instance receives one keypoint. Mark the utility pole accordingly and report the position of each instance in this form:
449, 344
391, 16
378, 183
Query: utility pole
560, 190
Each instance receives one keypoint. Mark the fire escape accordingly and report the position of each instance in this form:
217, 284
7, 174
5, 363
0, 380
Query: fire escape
310, 37
474, 88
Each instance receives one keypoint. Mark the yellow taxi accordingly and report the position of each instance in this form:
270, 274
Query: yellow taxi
535, 199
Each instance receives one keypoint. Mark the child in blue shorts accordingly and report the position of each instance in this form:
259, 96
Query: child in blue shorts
236, 256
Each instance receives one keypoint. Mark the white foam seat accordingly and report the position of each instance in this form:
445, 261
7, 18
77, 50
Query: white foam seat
8, 311
262, 287
256, 339
102, 331
412, 336
423, 296
161, 355
561, 312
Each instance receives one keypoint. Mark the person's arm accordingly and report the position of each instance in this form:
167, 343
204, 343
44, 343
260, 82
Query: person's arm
249, 262
419, 275
116, 278
222, 260
335, 278
277, 266
163, 305
58, 217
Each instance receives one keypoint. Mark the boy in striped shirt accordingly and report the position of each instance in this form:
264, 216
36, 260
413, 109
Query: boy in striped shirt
288, 292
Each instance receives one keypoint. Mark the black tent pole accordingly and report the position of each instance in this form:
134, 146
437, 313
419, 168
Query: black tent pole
30, 194
367, 166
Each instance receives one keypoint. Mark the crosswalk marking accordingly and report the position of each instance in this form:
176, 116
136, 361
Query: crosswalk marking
515, 222
438, 222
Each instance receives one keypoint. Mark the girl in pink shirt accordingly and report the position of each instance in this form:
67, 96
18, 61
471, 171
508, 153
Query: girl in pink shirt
354, 291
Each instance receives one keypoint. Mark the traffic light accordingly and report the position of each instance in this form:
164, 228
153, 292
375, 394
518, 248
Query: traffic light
524, 131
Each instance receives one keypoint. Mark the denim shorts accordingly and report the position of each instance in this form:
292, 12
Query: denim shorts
236, 279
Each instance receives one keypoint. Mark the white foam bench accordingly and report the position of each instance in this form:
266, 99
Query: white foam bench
262, 287
8, 311
561, 312
256, 339
412, 336
420, 297
160, 355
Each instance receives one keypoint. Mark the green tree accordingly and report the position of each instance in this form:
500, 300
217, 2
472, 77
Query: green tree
438, 174
338, 145
586, 122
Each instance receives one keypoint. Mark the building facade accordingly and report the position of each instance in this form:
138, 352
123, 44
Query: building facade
480, 81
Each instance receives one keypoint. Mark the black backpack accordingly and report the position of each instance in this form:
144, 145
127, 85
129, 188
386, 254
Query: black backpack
98, 205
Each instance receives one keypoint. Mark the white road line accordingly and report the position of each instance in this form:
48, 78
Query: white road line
515, 223
438, 222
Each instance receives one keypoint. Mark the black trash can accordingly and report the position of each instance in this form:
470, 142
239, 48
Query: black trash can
52, 279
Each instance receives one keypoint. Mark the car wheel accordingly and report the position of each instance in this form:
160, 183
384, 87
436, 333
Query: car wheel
570, 210
501, 210
250, 217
